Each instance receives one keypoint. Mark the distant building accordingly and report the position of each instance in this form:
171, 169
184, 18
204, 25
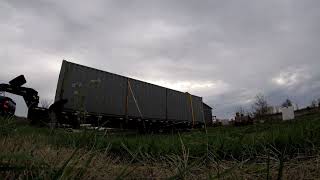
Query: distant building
287, 113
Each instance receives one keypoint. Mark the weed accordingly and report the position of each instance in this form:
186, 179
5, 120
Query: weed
264, 151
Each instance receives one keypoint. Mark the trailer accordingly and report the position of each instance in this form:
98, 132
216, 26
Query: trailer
125, 102
86, 95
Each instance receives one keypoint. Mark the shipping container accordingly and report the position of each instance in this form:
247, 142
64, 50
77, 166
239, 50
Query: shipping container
91, 90
178, 106
197, 108
146, 100
99, 92
207, 111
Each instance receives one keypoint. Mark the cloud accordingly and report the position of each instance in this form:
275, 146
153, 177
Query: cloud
291, 77
225, 51
194, 87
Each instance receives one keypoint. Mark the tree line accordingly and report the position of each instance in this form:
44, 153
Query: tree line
261, 107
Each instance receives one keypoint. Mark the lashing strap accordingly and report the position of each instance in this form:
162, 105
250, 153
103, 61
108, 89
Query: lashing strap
134, 98
192, 112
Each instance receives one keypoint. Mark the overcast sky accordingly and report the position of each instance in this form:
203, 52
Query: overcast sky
225, 51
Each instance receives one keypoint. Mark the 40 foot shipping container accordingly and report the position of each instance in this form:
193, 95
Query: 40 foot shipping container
99, 92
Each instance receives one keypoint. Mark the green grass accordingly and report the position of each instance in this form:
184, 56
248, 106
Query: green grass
262, 143
301, 135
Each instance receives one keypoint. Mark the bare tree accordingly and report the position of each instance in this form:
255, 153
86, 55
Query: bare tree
287, 103
260, 106
314, 103
240, 110
45, 103
271, 110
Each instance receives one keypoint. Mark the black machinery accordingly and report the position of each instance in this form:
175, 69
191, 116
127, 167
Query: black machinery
15, 87
37, 115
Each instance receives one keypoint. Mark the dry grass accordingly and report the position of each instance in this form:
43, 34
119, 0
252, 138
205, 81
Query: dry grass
106, 166
29, 153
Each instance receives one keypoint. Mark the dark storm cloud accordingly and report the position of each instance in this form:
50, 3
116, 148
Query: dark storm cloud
225, 51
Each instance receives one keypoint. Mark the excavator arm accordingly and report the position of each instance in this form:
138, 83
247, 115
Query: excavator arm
37, 115
29, 95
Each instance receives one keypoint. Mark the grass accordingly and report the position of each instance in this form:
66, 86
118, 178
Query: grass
283, 150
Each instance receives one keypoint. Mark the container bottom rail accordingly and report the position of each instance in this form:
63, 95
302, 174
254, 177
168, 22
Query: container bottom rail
45, 117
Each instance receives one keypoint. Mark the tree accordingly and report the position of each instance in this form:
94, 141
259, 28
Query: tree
287, 103
260, 106
271, 110
314, 103
240, 110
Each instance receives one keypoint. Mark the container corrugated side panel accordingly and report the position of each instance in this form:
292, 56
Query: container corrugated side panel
198, 109
93, 90
207, 115
109, 96
150, 99
178, 106
59, 90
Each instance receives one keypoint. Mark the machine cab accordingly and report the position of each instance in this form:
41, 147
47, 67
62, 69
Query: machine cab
7, 106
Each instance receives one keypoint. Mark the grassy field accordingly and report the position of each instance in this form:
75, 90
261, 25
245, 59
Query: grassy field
283, 150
